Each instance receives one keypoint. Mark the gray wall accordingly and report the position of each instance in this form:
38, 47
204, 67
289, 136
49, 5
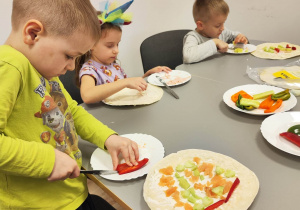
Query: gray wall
267, 20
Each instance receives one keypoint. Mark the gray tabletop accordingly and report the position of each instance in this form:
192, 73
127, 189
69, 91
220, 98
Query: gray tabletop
201, 120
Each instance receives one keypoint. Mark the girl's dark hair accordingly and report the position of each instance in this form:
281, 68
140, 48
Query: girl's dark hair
105, 27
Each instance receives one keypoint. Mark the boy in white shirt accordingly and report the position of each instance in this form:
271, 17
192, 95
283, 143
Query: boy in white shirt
210, 36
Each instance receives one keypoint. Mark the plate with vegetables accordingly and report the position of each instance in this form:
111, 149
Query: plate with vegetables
258, 99
282, 131
241, 48
149, 148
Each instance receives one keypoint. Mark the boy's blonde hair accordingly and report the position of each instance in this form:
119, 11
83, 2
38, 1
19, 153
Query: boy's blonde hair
59, 17
203, 9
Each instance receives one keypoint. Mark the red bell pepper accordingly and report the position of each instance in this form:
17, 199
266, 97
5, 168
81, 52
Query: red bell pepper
294, 138
234, 185
215, 205
124, 168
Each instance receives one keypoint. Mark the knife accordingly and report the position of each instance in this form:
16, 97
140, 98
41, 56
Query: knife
99, 172
165, 84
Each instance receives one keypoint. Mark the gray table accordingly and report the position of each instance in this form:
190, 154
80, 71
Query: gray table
201, 120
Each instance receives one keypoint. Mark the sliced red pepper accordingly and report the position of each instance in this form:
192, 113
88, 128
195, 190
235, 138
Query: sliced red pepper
274, 107
287, 46
277, 49
220, 202
267, 103
294, 138
124, 168
215, 205
294, 48
235, 96
233, 187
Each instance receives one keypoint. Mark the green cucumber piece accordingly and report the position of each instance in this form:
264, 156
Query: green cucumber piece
180, 168
263, 95
219, 170
218, 190
249, 102
207, 201
229, 173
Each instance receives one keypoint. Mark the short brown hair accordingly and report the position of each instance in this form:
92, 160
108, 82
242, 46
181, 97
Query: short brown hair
203, 9
59, 17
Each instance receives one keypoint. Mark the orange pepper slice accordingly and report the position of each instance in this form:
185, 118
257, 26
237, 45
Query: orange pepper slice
274, 107
235, 96
267, 103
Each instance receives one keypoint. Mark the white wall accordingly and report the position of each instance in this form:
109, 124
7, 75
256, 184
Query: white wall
267, 20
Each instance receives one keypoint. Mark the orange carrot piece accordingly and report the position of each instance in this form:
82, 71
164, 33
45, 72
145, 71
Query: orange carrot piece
170, 191
267, 103
167, 171
188, 206
274, 107
197, 160
235, 96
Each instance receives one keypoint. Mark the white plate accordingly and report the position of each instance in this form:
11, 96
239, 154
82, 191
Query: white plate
175, 77
149, 147
255, 89
278, 123
248, 48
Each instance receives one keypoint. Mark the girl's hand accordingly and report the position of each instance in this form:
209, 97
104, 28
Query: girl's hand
137, 83
64, 167
156, 70
241, 39
129, 149
221, 46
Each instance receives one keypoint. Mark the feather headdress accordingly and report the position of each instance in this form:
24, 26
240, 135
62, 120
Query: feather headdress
114, 13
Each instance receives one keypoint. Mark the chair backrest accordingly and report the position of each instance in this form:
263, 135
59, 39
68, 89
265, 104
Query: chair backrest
163, 49
68, 81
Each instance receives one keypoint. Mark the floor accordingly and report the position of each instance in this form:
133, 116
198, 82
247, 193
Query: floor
96, 190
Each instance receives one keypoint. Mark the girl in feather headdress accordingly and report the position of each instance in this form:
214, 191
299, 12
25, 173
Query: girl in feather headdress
98, 74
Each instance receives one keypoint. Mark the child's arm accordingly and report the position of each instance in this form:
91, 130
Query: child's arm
156, 70
92, 130
64, 167
91, 93
196, 49
221, 46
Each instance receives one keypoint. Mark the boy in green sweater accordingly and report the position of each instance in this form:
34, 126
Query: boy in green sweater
39, 156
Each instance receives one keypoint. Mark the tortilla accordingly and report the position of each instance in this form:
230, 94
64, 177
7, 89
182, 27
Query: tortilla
241, 198
129, 96
260, 53
267, 75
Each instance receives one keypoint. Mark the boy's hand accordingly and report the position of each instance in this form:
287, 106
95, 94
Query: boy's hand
137, 83
241, 39
158, 69
64, 167
221, 46
116, 144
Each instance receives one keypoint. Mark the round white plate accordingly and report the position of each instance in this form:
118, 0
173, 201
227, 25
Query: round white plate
255, 89
149, 147
278, 123
175, 77
248, 48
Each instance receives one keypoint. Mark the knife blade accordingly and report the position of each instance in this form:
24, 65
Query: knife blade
98, 172
165, 84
